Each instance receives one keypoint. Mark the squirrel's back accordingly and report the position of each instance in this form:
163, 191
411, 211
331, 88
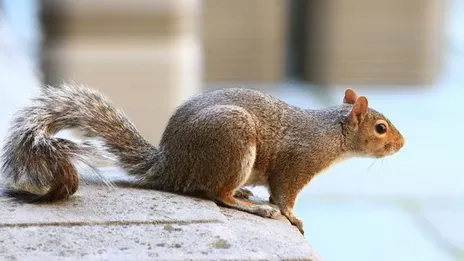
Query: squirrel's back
272, 114
254, 101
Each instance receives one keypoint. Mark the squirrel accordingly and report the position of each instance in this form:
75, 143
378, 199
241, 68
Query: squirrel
216, 143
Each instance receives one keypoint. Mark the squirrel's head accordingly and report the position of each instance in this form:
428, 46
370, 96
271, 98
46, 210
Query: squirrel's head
368, 133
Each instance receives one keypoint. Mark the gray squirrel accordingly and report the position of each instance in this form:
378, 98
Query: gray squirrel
216, 143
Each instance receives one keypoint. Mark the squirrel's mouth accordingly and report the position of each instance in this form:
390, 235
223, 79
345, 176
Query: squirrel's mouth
391, 148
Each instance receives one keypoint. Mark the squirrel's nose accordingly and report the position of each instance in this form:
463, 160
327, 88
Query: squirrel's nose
401, 142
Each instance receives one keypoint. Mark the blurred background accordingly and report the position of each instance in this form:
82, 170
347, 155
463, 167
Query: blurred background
406, 56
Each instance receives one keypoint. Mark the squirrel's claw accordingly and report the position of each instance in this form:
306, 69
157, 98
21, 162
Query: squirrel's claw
298, 224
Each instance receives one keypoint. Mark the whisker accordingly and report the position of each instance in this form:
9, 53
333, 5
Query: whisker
372, 164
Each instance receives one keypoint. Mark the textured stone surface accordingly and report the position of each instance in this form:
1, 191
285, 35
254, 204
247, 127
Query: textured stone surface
270, 235
99, 204
100, 223
213, 241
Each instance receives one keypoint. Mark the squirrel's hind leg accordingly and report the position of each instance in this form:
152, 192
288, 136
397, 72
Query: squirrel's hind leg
227, 199
231, 188
214, 152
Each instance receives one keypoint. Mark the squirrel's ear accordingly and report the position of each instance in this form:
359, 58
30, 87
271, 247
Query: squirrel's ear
350, 96
359, 110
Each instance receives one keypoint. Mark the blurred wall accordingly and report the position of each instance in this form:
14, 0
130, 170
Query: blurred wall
244, 41
144, 54
395, 42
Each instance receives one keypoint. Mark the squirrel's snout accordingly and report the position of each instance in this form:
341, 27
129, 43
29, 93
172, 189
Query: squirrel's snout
393, 147
400, 143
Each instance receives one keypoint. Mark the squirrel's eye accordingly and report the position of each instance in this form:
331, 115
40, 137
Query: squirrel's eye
381, 128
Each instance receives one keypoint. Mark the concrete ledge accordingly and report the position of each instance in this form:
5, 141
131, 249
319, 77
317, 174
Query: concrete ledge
94, 204
101, 223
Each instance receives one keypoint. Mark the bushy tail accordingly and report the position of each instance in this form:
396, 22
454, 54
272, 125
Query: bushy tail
38, 163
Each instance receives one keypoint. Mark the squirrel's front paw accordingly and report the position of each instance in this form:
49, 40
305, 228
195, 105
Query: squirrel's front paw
294, 220
267, 211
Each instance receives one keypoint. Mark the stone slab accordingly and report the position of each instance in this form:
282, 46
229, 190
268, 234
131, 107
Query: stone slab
96, 204
269, 234
245, 240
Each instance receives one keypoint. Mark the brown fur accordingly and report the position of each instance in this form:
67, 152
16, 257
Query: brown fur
215, 143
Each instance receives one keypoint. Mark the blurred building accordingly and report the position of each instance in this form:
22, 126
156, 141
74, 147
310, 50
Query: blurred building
244, 41
144, 54
150, 55
395, 42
